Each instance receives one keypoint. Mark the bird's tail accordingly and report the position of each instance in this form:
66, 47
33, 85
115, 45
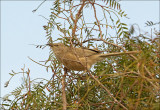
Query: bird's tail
119, 53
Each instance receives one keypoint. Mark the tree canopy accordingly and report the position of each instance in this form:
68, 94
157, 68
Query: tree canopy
118, 82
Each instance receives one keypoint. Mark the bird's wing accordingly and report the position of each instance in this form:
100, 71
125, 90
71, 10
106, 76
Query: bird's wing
94, 50
83, 52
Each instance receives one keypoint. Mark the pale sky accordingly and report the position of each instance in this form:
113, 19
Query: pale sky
20, 27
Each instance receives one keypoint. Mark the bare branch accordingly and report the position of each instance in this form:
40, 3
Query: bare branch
78, 15
98, 23
63, 90
107, 90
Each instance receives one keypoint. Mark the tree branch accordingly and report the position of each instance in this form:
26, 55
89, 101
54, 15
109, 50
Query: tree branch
78, 15
107, 90
63, 90
98, 23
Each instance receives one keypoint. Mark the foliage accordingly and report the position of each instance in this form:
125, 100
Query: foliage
150, 23
132, 81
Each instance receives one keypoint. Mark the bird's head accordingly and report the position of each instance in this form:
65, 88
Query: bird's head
56, 45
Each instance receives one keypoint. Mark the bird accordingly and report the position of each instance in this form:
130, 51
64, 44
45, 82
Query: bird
80, 59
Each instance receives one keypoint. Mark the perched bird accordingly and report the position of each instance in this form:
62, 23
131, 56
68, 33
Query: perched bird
80, 59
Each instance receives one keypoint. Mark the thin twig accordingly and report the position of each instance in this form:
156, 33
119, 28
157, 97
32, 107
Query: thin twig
38, 63
78, 15
38, 7
98, 23
63, 90
107, 90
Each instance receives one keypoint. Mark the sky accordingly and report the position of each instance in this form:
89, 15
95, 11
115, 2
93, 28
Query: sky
20, 27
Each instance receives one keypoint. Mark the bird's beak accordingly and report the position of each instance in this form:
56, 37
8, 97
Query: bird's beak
49, 45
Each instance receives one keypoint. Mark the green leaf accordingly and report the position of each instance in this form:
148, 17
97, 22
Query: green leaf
11, 74
120, 34
122, 13
124, 24
117, 21
112, 3
119, 25
115, 5
125, 28
119, 30
5, 104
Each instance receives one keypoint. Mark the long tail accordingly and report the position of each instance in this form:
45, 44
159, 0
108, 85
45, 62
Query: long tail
119, 53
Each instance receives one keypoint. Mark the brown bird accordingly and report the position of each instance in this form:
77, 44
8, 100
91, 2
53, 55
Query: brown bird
80, 59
